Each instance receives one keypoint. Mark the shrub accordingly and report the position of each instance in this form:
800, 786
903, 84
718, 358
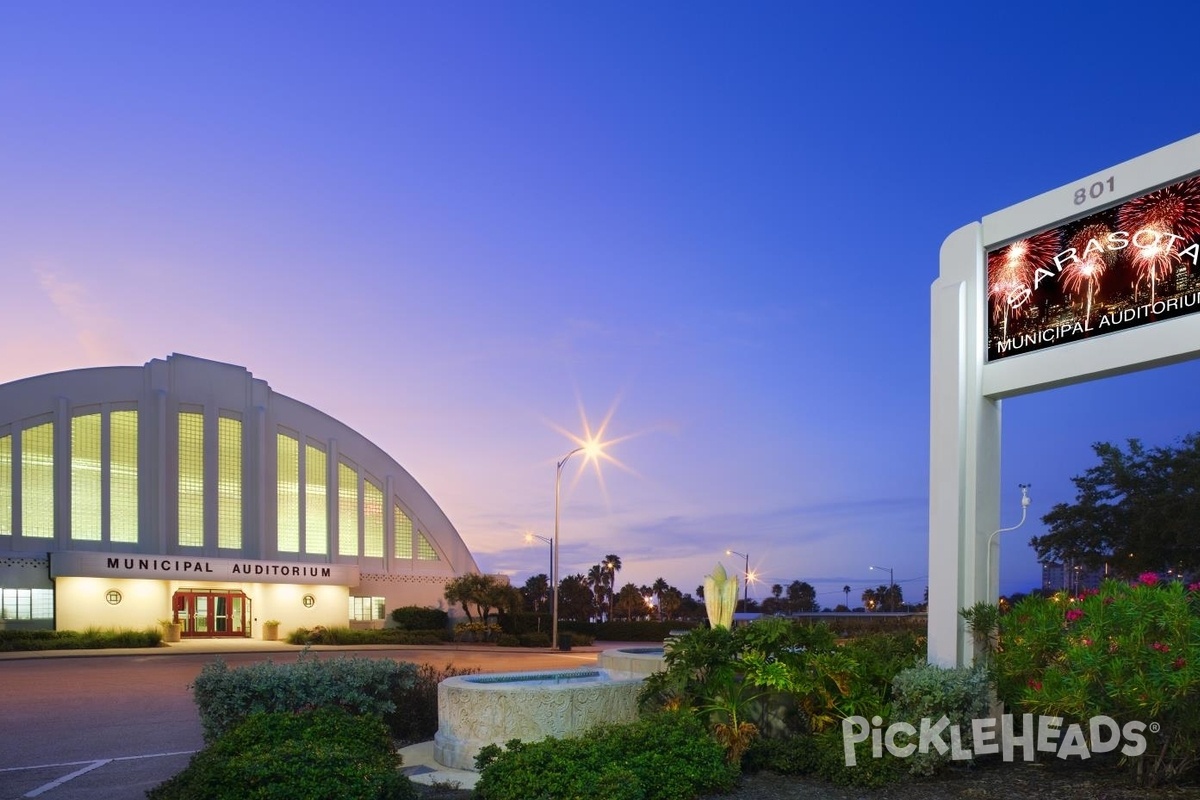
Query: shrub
536, 639
312, 755
662, 757
1128, 652
415, 716
930, 692
355, 636
89, 639
508, 640
418, 618
226, 696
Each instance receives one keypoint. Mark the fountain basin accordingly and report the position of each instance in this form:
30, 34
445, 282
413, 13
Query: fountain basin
478, 710
633, 662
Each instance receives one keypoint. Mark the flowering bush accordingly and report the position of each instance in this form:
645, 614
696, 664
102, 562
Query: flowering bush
476, 632
1128, 651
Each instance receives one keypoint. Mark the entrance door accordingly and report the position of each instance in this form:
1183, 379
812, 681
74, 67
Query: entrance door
205, 613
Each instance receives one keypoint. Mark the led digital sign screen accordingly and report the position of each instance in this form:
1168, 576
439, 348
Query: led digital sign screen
1132, 264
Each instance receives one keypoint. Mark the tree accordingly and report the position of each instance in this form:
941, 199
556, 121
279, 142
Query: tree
575, 599
670, 603
484, 592
846, 591
630, 601
612, 563
536, 592
801, 597
1135, 511
660, 588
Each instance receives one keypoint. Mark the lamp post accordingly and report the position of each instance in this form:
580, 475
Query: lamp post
746, 594
891, 584
554, 549
529, 537
1025, 501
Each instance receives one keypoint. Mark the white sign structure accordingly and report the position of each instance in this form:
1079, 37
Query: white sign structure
1100, 277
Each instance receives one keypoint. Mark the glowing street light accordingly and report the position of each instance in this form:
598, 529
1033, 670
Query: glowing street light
592, 448
746, 571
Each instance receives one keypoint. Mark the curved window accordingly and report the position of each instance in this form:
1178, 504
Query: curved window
404, 533
287, 497
123, 476
316, 519
85, 478
229, 483
6, 477
372, 519
37, 481
425, 551
347, 510
191, 479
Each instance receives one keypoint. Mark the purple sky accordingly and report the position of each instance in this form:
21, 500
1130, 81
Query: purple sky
462, 228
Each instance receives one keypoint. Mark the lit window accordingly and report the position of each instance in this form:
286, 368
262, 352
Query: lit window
30, 604
37, 481
191, 479
404, 534
316, 520
425, 551
6, 497
347, 510
287, 493
363, 609
229, 483
372, 519
85, 478
123, 476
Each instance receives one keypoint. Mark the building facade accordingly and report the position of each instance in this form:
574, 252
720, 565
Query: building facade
188, 490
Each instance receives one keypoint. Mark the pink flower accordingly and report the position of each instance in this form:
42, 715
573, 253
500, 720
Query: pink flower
1160, 647
1074, 614
1086, 642
1035, 685
1194, 587
1179, 663
1148, 578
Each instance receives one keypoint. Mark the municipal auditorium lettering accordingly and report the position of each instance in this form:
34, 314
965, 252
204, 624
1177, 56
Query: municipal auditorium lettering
181, 565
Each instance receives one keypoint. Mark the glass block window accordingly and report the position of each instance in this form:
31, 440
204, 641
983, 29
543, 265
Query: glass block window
6, 478
404, 533
26, 603
85, 478
347, 510
316, 518
425, 551
372, 519
37, 481
229, 483
287, 493
123, 476
191, 479
366, 608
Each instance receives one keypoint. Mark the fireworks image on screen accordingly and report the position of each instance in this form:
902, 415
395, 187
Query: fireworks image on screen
1091, 266
1010, 275
1157, 219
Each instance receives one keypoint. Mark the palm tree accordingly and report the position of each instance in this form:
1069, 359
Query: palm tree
659, 588
597, 580
846, 590
613, 563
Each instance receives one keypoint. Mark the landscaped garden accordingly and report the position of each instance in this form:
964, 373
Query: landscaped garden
1099, 691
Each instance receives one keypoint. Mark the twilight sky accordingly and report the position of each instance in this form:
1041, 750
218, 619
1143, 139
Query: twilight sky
469, 229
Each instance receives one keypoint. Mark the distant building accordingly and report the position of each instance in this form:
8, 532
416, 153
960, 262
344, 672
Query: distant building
189, 490
1070, 577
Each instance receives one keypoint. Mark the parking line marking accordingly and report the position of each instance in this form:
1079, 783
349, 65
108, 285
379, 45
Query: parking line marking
55, 784
88, 767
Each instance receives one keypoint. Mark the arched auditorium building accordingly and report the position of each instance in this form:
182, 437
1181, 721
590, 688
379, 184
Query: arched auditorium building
187, 489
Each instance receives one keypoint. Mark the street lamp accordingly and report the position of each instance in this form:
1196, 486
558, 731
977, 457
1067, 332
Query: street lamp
592, 447
746, 594
891, 583
529, 537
